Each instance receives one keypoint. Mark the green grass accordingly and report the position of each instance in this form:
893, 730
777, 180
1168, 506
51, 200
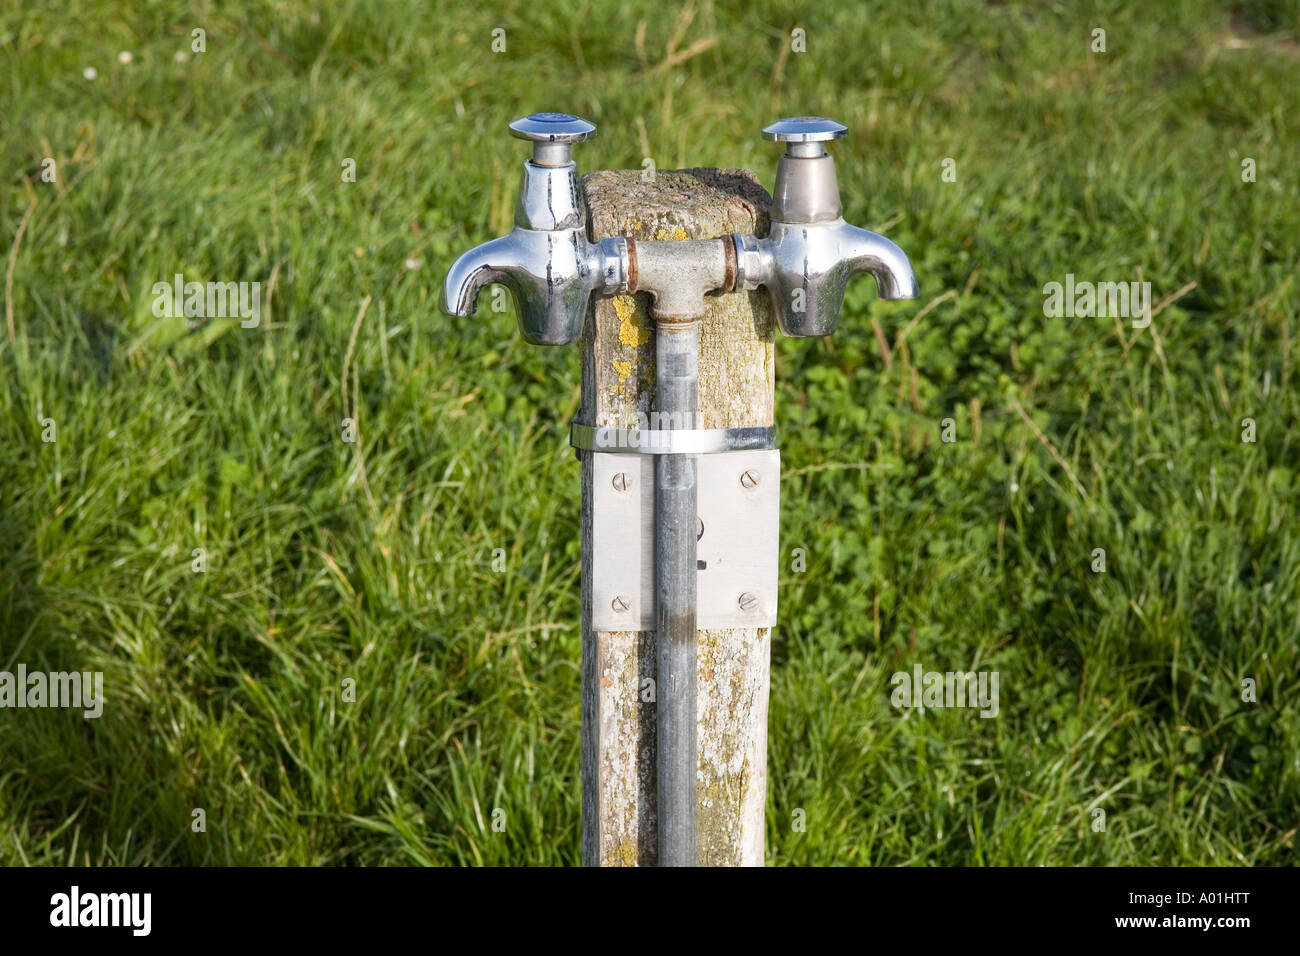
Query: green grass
375, 561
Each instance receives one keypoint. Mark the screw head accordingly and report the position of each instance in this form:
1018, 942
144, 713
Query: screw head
748, 601
620, 604
622, 482
749, 478
699, 532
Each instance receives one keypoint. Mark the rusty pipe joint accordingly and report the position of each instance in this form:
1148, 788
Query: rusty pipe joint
678, 274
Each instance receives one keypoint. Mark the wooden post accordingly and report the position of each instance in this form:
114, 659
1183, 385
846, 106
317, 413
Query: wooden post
735, 390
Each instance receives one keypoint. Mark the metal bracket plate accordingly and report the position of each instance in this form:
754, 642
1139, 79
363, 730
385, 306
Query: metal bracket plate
739, 505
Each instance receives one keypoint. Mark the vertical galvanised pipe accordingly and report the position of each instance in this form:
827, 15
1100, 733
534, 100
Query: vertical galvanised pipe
676, 518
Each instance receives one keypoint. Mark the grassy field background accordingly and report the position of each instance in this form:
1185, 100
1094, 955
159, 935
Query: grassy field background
374, 562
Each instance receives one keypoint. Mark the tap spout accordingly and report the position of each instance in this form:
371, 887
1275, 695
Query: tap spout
806, 266
552, 274
483, 265
865, 251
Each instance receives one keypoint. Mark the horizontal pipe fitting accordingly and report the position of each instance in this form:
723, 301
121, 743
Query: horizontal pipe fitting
753, 261
617, 265
678, 274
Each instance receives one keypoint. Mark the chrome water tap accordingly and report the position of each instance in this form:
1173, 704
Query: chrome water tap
546, 260
810, 251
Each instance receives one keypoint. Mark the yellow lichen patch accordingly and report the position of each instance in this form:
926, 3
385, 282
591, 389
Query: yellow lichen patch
677, 233
626, 853
631, 329
624, 369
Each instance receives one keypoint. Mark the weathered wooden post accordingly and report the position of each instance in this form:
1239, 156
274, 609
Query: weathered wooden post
680, 472
620, 693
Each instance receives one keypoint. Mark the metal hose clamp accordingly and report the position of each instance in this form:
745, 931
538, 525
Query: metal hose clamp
678, 441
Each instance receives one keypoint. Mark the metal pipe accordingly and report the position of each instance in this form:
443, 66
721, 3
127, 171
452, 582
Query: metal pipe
677, 274
676, 518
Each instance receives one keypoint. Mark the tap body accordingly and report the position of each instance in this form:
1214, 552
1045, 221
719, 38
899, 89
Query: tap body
546, 260
806, 266
810, 252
